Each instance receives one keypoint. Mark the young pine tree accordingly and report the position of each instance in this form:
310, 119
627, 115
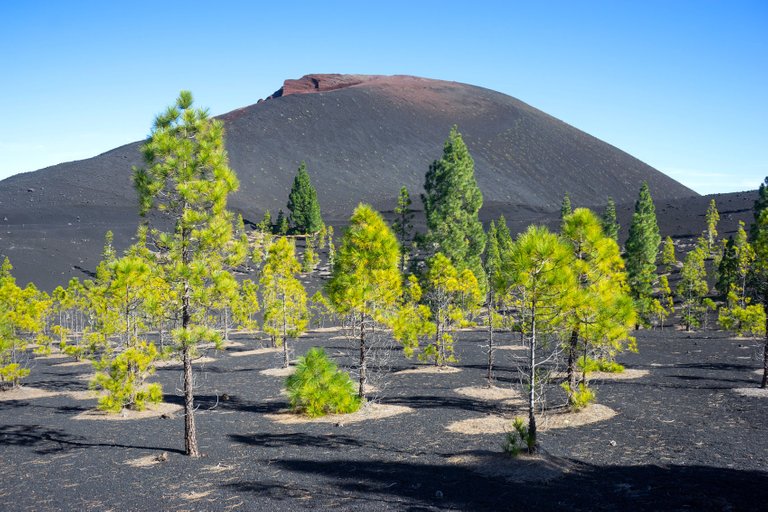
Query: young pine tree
610, 223
712, 218
668, 257
403, 226
186, 178
692, 288
565, 207
365, 284
641, 252
283, 296
302, 203
452, 201
537, 274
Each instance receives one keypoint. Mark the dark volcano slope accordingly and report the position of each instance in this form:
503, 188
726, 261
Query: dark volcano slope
363, 137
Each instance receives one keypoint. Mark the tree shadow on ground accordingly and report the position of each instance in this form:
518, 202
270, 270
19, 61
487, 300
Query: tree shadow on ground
445, 402
586, 487
331, 441
45, 440
231, 403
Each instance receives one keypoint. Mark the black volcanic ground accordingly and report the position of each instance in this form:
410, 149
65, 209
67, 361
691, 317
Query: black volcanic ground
363, 138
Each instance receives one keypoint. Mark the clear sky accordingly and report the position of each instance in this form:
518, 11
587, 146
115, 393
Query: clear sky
682, 85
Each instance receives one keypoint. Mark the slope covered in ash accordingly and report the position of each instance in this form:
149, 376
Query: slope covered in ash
363, 137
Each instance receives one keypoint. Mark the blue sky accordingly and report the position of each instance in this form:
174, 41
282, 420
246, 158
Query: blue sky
682, 85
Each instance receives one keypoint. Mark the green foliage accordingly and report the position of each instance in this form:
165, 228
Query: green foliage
668, 257
412, 324
565, 207
588, 364
123, 377
320, 309
580, 397
760, 205
23, 315
318, 387
641, 252
692, 288
265, 225
452, 201
302, 203
285, 300
518, 439
403, 225
610, 223
282, 225
712, 218
310, 259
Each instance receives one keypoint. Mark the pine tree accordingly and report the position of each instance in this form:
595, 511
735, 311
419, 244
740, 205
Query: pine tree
366, 283
537, 274
601, 312
265, 226
642, 250
565, 207
493, 270
310, 259
666, 303
187, 179
760, 205
281, 225
302, 203
712, 217
452, 201
760, 269
692, 288
283, 296
403, 225
728, 268
668, 257
610, 223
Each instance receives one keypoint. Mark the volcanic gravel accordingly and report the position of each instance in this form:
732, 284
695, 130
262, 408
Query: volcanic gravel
682, 439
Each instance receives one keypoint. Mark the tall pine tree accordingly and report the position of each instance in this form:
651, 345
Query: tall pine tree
403, 225
642, 250
302, 203
452, 201
610, 224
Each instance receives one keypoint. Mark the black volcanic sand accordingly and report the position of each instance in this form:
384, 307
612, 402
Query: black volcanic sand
683, 439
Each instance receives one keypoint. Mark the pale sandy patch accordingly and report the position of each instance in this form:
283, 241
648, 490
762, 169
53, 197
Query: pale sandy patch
546, 421
89, 394
152, 411
175, 362
143, 462
370, 411
278, 372
53, 356
429, 370
73, 363
627, 374
340, 337
335, 328
85, 377
218, 468
758, 372
510, 347
256, 351
521, 469
753, 392
195, 495
222, 346
488, 393
25, 393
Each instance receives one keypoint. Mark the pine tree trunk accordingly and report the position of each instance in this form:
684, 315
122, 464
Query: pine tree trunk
532, 383
572, 345
363, 376
190, 431
285, 337
490, 343
764, 382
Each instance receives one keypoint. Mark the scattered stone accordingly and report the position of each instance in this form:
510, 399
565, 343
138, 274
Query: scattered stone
163, 457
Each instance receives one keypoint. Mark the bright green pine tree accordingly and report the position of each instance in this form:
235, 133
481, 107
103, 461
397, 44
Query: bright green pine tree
318, 387
450, 295
712, 217
601, 312
610, 223
23, 314
760, 205
403, 226
302, 203
642, 251
452, 201
538, 274
282, 225
668, 256
310, 258
412, 324
365, 284
760, 267
665, 302
187, 178
283, 296
565, 206
692, 287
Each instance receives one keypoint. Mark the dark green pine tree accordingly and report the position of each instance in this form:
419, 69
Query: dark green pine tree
503, 235
565, 206
761, 203
610, 224
641, 252
728, 269
302, 203
403, 225
452, 201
